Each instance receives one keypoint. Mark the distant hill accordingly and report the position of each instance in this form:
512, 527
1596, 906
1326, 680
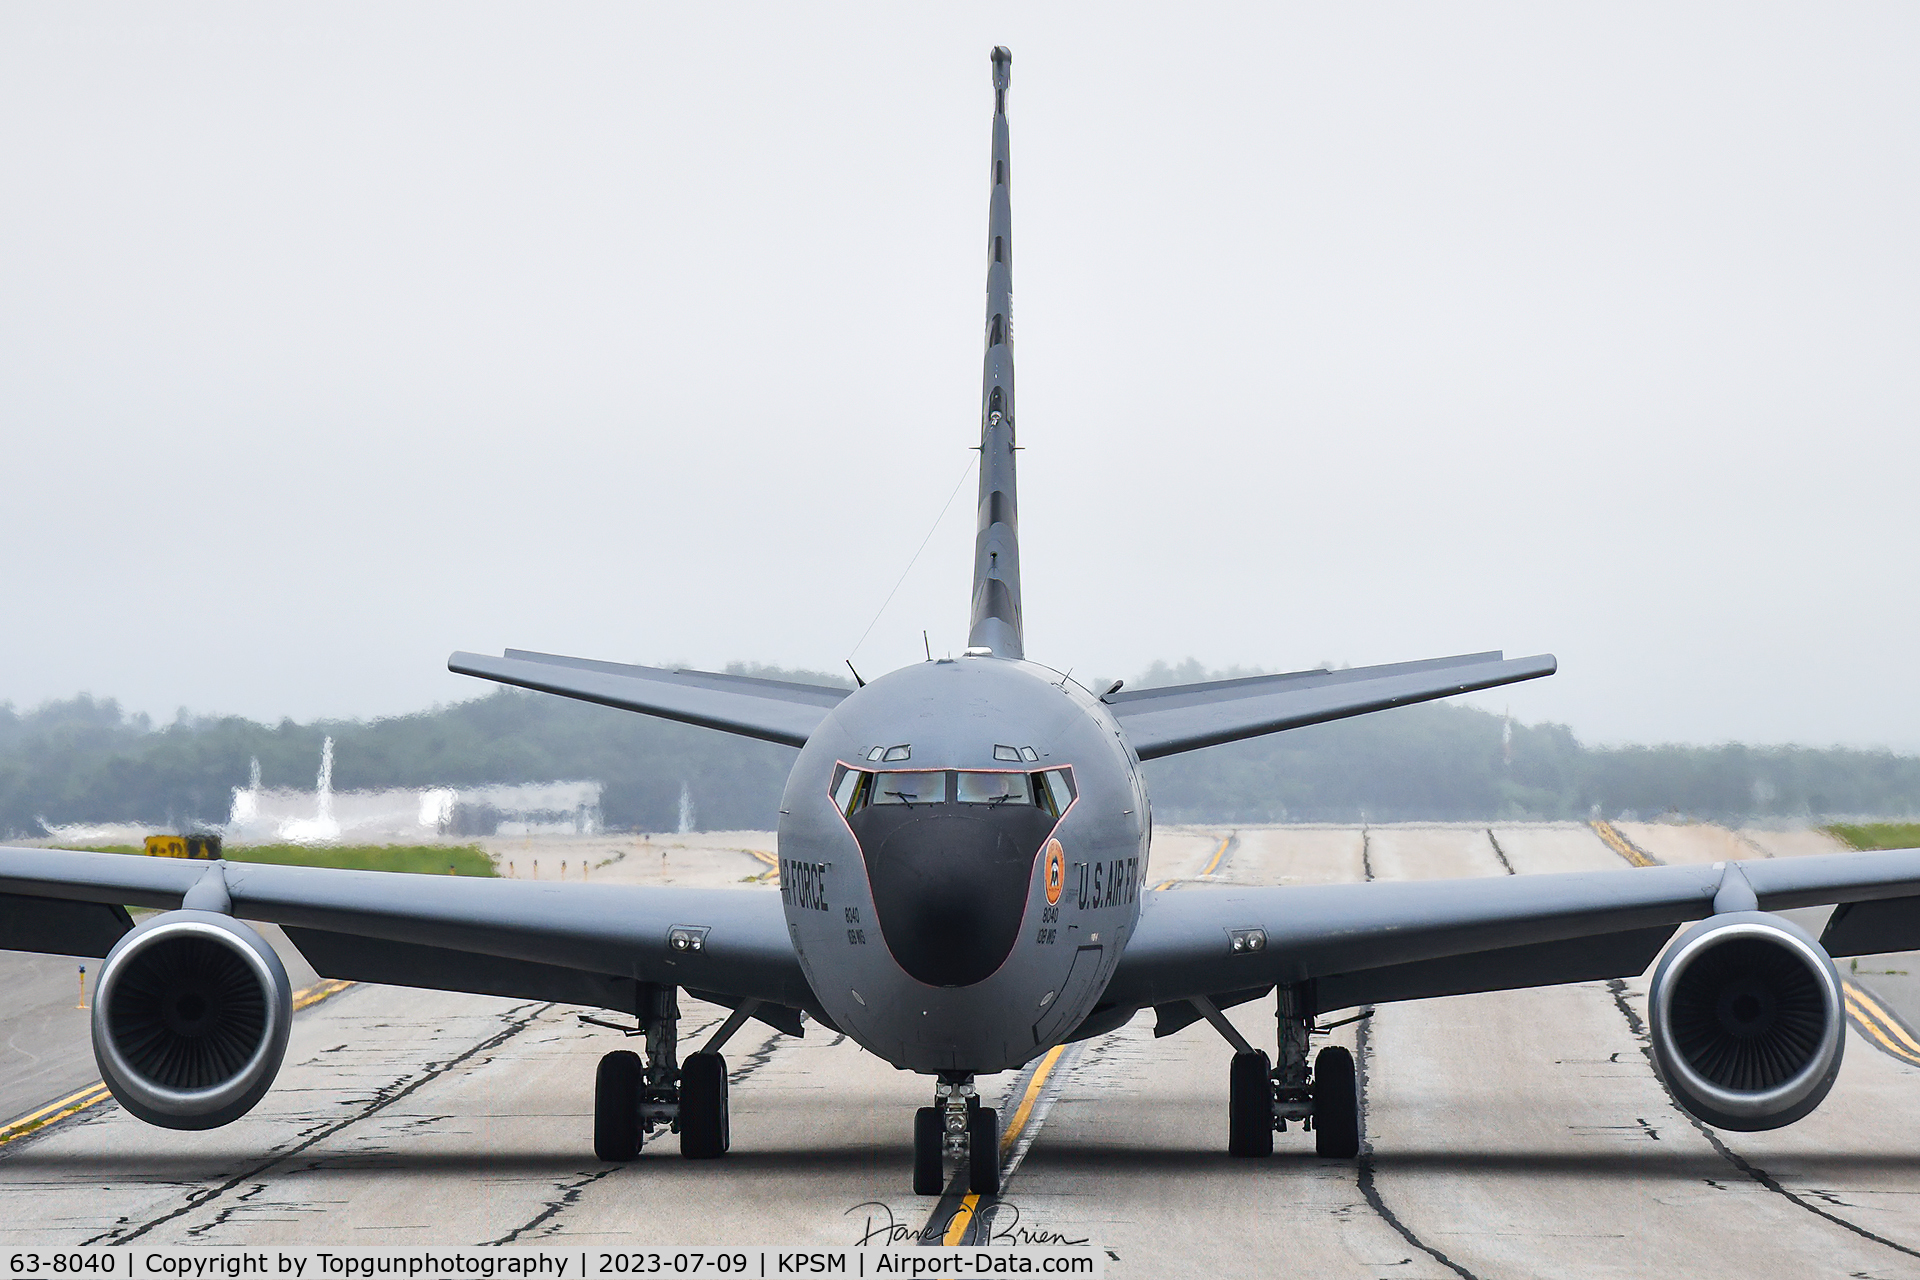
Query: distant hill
84, 760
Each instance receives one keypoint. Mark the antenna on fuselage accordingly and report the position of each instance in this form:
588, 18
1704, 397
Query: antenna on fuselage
996, 618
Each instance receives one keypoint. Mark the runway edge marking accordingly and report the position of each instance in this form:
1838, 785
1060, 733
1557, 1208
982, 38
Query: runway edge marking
1880, 1025
93, 1095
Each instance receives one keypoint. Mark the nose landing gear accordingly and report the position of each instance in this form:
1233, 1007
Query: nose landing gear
957, 1125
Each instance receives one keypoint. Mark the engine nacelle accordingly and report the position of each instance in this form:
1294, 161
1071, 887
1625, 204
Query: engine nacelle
190, 1019
1747, 1021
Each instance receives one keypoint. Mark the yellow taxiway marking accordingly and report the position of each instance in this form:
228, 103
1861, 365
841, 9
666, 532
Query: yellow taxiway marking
73, 1102
96, 1093
1218, 854
1879, 1025
1624, 847
319, 991
963, 1216
772, 863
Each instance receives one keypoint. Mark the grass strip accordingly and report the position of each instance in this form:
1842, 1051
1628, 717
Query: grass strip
427, 859
1877, 835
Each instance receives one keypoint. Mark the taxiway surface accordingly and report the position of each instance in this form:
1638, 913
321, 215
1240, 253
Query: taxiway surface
1512, 1134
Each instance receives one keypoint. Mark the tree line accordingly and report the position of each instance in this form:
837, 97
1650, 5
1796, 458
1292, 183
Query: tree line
84, 760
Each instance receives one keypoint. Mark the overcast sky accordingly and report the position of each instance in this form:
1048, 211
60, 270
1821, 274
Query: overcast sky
337, 337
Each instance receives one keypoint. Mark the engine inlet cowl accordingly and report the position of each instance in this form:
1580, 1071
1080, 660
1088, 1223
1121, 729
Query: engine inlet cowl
190, 1019
1746, 1019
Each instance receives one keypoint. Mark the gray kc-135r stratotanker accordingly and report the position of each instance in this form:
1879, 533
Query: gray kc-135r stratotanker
963, 851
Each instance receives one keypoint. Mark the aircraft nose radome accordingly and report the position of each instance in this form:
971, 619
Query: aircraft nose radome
950, 891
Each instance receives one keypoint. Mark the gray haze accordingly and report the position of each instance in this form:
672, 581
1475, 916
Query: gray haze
333, 338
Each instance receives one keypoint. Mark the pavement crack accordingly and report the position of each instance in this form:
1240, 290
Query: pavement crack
1638, 1026
220, 1219
568, 1197
1363, 1041
1364, 1170
756, 1060
1498, 852
516, 1020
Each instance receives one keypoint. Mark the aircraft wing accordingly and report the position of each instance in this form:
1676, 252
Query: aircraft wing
1381, 941
588, 944
772, 710
1163, 722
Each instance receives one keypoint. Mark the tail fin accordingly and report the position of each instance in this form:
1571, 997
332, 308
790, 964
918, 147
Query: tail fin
996, 555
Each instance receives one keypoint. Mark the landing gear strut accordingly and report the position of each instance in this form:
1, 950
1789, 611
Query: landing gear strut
1262, 1099
632, 1098
956, 1124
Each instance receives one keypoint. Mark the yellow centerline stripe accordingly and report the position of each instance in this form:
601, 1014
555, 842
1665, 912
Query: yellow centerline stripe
963, 1216
1218, 854
1025, 1109
97, 1092
957, 1229
1624, 847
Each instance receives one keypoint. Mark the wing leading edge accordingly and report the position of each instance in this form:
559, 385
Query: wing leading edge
1164, 722
1401, 940
577, 943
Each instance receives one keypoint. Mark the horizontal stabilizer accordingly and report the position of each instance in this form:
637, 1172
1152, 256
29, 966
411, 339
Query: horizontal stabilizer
771, 710
1164, 722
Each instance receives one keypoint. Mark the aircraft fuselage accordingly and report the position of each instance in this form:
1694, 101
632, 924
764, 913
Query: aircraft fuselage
963, 845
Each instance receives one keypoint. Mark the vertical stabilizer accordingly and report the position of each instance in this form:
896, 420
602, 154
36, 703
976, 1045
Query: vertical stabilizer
996, 554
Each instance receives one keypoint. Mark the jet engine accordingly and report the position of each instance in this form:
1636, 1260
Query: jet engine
190, 1019
1747, 1017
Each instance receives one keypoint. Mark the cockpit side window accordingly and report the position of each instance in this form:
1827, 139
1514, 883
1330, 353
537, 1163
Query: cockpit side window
995, 788
1054, 790
849, 792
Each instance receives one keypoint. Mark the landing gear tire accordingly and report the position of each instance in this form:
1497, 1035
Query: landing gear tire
983, 1151
1250, 1106
704, 1130
929, 1147
616, 1107
1336, 1105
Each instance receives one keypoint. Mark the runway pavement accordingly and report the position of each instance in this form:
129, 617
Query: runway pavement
1509, 1134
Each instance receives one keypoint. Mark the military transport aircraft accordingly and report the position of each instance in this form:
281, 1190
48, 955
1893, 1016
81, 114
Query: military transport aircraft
963, 848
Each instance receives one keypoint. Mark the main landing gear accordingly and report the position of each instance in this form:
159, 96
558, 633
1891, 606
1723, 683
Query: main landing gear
632, 1098
1261, 1098
957, 1125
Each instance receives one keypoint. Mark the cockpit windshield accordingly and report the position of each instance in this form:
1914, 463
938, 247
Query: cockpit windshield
918, 787
995, 788
1050, 790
